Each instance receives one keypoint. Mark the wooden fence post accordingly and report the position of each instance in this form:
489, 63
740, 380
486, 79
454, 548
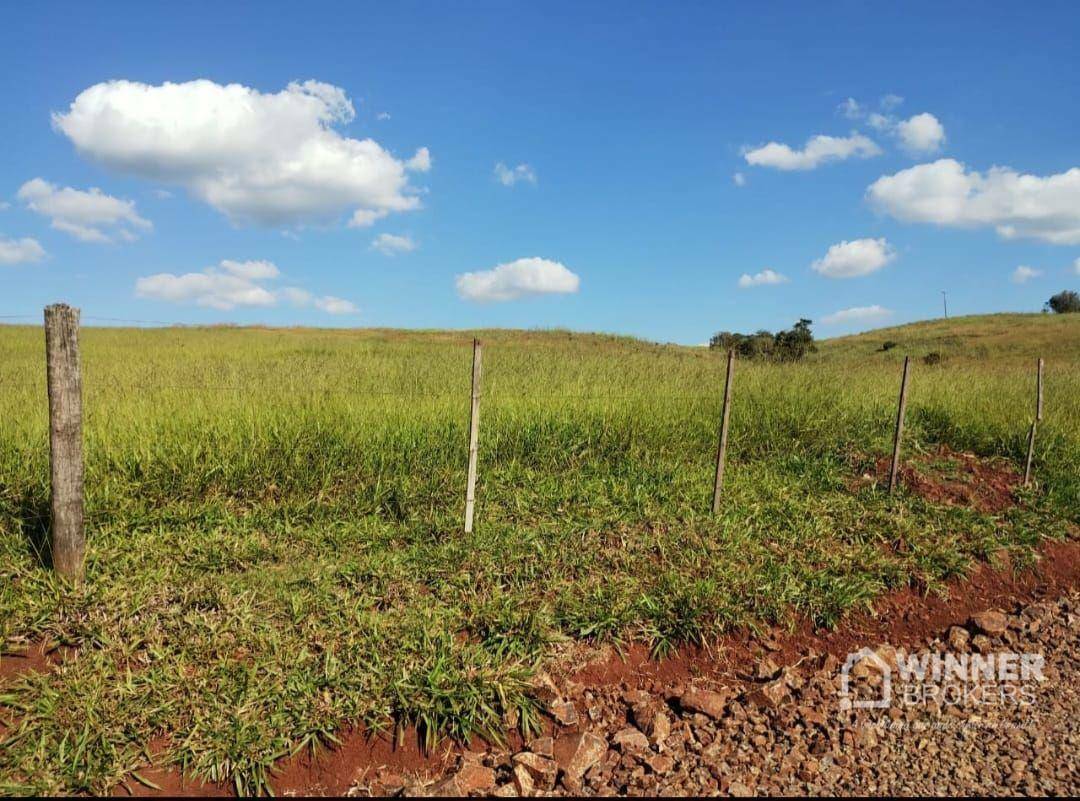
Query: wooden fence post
894, 470
721, 451
65, 439
1034, 423
474, 437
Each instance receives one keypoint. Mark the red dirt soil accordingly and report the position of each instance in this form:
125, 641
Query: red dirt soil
903, 617
954, 478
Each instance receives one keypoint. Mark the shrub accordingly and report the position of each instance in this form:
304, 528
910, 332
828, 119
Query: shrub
1064, 302
888, 344
932, 358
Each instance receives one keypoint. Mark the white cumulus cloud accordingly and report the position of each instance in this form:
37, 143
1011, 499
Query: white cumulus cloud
857, 314
20, 251
855, 258
88, 215
765, 278
1023, 274
817, 151
231, 284
508, 176
921, 134
739, 179
946, 193
517, 279
273, 159
391, 244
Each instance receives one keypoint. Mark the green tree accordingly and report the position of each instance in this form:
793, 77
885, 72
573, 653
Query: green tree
1064, 302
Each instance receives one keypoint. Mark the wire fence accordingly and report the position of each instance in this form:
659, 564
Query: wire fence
66, 380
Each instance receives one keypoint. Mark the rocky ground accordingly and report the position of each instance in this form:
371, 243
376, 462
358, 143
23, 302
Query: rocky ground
786, 730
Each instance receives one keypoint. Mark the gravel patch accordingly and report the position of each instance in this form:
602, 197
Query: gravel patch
790, 730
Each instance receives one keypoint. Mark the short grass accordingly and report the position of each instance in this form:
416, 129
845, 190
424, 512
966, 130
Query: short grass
274, 516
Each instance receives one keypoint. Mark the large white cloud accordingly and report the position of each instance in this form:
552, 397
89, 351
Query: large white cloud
857, 314
273, 159
921, 134
766, 277
517, 279
855, 258
88, 215
817, 151
20, 251
946, 193
231, 284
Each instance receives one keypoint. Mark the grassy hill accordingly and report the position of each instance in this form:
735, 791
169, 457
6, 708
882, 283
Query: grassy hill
987, 338
274, 519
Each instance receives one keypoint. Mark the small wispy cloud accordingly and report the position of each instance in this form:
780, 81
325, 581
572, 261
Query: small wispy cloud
857, 314
766, 277
231, 284
391, 244
508, 176
20, 251
818, 150
1023, 274
89, 215
918, 135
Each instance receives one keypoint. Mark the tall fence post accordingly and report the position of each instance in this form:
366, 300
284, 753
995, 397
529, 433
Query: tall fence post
474, 438
721, 451
65, 439
1035, 422
894, 470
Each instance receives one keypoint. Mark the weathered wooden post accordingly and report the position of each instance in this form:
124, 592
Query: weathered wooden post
474, 438
894, 470
721, 451
1035, 422
65, 439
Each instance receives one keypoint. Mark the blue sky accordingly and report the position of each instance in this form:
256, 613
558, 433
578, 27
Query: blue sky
621, 128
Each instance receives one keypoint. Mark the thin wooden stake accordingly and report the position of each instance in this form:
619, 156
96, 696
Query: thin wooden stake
894, 470
721, 451
65, 439
1034, 423
1039, 393
1030, 452
474, 438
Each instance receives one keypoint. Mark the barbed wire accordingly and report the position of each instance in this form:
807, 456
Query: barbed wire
463, 394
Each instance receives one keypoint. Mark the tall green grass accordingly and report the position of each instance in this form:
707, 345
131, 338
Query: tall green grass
274, 521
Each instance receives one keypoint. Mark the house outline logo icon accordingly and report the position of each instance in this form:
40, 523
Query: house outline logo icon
854, 658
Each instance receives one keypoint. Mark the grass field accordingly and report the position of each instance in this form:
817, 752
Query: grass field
274, 520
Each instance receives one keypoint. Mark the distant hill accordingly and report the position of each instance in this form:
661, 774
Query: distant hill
1005, 337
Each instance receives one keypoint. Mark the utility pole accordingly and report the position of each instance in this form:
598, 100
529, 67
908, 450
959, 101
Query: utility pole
945, 303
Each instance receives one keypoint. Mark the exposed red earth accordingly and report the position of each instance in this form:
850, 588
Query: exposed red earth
901, 618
